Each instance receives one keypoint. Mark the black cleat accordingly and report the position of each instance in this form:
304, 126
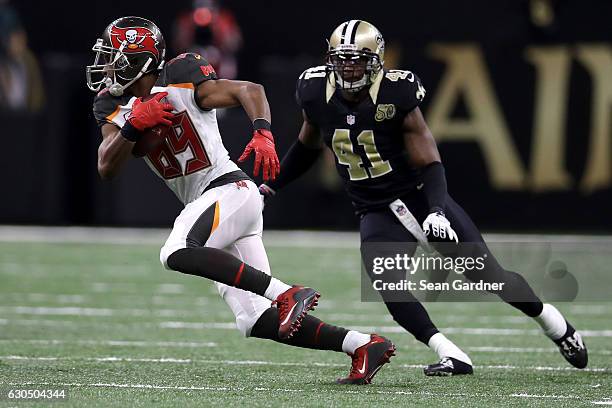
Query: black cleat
368, 359
572, 348
448, 366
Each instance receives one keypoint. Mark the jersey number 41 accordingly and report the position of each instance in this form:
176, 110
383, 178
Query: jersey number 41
343, 148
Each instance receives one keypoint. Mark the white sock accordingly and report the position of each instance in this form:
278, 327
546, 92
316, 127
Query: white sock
275, 288
446, 348
552, 322
353, 340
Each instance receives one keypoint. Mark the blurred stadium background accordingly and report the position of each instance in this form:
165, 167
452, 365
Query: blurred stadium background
519, 96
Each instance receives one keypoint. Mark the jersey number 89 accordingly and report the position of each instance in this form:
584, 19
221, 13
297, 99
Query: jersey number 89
343, 148
181, 136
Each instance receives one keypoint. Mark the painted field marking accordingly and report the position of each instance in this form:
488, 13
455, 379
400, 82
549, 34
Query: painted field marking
169, 360
294, 238
177, 325
113, 343
94, 311
369, 391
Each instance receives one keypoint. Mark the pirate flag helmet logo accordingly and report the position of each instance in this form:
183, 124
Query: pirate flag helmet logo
129, 48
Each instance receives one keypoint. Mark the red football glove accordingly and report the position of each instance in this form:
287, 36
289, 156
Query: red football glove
151, 112
263, 144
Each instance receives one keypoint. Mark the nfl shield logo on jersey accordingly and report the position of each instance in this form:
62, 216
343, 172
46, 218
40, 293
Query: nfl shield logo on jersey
350, 119
400, 210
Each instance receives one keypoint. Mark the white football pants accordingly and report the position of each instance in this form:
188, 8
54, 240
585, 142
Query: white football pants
237, 228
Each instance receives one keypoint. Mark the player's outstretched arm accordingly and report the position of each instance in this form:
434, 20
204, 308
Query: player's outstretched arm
299, 158
424, 155
223, 93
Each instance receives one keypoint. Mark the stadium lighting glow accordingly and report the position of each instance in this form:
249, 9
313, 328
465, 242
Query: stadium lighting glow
202, 16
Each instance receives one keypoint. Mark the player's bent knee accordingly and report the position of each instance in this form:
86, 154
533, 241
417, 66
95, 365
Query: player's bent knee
163, 258
167, 258
245, 324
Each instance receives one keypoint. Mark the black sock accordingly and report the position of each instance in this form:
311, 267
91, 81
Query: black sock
314, 334
413, 317
531, 309
219, 266
516, 287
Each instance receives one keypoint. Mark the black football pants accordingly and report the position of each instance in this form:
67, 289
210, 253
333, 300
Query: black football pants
382, 226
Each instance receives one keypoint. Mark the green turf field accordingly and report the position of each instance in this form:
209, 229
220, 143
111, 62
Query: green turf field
108, 324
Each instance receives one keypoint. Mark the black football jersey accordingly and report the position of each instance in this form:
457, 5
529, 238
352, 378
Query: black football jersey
187, 70
366, 137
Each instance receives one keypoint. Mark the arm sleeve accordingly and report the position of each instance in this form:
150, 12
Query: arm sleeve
296, 162
434, 186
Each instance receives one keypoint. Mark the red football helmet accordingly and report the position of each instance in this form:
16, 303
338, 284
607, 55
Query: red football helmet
129, 48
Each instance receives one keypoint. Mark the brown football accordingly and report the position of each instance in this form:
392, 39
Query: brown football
151, 138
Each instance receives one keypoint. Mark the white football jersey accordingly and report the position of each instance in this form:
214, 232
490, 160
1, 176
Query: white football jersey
192, 153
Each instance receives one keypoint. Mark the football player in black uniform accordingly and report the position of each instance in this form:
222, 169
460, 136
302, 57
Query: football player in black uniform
218, 234
371, 120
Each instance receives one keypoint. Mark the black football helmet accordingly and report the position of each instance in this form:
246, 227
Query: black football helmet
129, 48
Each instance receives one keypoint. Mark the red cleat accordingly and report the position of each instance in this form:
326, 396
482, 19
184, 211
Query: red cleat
293, 305
368, 359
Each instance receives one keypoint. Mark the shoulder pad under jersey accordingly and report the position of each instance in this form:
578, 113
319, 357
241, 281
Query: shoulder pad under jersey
186, 68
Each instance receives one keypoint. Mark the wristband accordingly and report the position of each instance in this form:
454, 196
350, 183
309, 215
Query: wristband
437, 210
261, 123
129, 132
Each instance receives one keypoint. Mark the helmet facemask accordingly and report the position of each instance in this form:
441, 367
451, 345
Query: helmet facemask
112, 69
107, 62
353, 69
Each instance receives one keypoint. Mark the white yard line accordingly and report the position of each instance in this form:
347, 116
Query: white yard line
504, 350
232, 325
95, 312
191, 303
590, 310
169, 360
82, 235
113, 343
525, 395
362, 391
81, 299
197, 325
397, 329
297, 238
192, 344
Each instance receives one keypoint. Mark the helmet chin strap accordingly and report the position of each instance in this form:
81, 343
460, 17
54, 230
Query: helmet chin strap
116, 89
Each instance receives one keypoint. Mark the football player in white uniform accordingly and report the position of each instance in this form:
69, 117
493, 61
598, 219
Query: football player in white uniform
165, 111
